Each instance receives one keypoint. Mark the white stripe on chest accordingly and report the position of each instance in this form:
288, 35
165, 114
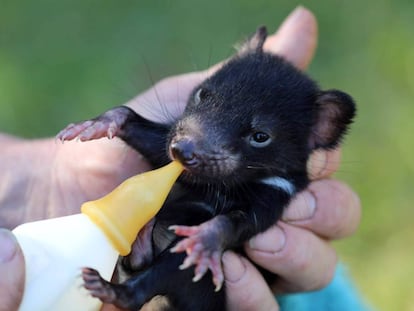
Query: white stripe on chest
280, 183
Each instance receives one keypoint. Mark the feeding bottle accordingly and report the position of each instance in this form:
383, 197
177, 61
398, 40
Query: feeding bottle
56, 249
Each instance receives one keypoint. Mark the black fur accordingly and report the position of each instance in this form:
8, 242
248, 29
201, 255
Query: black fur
258, 117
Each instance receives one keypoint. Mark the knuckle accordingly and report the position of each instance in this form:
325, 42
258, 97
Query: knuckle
326, 276
323, 163
321, 275
347, 214
341, 208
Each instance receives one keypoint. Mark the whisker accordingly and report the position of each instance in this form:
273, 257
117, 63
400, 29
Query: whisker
210, 54
149, 73
162, 107
192, 60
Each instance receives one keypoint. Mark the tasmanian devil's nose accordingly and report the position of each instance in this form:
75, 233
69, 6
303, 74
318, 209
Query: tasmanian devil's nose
184, 151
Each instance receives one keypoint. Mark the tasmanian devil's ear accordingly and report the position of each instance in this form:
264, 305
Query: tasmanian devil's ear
335, 112
254, 43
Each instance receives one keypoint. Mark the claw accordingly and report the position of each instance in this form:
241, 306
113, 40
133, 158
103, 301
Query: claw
219, 285
108, 125
188, 262
202, 251
172, 228
184, 230
197, 277
200, 270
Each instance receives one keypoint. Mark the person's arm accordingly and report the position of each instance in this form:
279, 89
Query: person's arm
43, 178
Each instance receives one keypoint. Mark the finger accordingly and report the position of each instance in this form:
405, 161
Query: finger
296, 39
327, 207
166, 100
301, 260
322, 163
12, 272
245, 287
108, 307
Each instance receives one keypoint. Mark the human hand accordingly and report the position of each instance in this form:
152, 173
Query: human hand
11, 271
83, 171
297, 249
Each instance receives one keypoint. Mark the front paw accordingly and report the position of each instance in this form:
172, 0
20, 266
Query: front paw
108, 125
97, 286
204, 250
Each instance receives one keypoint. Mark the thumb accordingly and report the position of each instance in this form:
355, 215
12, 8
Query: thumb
12, 272
246, 289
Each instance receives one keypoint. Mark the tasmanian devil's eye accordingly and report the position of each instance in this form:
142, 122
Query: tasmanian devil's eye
201, 94
260, 139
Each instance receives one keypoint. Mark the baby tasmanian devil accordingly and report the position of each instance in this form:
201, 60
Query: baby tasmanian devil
244, 139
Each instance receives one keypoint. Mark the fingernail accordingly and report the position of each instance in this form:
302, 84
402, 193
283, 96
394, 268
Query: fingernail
302, 207
234, 268
317, 164
296, 13
271, 241
8, 246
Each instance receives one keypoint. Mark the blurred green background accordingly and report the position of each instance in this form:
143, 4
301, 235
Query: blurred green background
62, 61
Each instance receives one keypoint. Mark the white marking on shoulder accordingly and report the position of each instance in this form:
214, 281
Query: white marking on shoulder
281, 183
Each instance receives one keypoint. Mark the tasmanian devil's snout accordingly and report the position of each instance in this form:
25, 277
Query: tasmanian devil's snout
184, 150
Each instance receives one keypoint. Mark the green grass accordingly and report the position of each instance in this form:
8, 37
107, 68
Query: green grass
64, 60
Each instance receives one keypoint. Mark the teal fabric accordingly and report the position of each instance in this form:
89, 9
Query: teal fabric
339, 295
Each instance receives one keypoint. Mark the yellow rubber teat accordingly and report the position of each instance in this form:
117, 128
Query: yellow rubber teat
122, 213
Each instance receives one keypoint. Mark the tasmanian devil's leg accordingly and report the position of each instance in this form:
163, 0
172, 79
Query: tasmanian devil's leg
147, 137
163, 278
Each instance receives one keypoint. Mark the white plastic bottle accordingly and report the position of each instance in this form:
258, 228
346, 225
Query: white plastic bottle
56, 249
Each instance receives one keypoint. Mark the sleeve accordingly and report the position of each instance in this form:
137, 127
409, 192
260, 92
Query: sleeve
339, 295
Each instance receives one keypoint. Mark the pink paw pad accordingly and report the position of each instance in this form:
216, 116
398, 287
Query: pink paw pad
202, 252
